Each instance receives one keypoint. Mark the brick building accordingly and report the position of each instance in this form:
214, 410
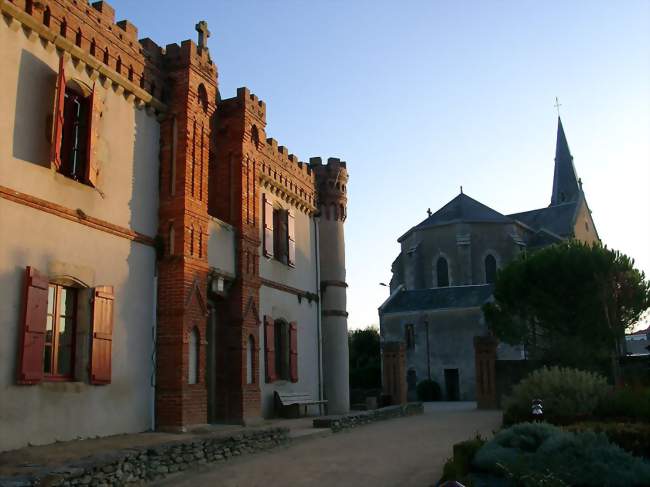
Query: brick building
163, 263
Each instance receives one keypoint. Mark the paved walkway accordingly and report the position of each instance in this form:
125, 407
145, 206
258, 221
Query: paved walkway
400, 452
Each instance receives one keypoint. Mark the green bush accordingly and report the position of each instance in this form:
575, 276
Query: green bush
428, 390
568, 395
538, 450
632, 437
625, 404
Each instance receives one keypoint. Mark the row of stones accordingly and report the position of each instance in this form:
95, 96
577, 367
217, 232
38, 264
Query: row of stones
140, 466
352, 420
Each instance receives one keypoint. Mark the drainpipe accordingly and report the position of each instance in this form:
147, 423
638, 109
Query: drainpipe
153, 349
318, 304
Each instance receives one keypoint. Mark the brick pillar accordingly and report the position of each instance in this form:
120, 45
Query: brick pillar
185, 142
234, 195
394, 371
485, 349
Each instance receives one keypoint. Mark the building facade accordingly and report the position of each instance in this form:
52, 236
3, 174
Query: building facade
160, 257
445, 271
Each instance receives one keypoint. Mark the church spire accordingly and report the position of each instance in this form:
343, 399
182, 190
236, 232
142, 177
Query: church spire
566, 186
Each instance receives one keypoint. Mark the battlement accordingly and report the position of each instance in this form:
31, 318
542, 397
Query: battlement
331, 187
333, 166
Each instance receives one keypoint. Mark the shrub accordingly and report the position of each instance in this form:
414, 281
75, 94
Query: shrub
540, 450
568, 395
625, 404
428, 390
631, 437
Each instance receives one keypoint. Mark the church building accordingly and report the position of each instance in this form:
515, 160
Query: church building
445, 272
163, 263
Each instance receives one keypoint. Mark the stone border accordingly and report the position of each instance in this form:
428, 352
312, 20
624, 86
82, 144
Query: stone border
138, 466
351, 420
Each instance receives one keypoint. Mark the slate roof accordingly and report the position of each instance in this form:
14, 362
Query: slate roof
559, 219
437, 298
566, 186
461, 209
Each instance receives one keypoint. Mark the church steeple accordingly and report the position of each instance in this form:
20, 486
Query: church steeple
566, 185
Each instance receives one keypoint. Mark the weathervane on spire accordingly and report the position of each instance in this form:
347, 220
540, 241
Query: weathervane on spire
557, 105
204, 33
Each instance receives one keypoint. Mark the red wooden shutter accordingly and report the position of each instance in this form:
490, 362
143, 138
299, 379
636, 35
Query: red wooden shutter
57, 126
268, 226
269, 349
95, 111
100, 360
293, 351
291, 238
32, 343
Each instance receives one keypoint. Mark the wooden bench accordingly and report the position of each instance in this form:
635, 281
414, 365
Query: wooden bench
287, 399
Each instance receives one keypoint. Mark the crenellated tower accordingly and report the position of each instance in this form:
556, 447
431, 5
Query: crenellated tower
331, 184
186, 146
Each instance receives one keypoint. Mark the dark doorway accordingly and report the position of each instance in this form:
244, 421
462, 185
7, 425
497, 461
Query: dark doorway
452, 385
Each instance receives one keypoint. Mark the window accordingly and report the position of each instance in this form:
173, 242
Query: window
60, 328
203, 98
282, 349
76, 118
490, 269
255, 136
75, 134
193, 365
409, 336
47, 341
250, 360
442, 272
279, 233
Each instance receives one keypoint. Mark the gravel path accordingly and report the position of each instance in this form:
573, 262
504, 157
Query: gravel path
400, 452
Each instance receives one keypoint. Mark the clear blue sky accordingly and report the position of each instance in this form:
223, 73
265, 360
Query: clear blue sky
421, 97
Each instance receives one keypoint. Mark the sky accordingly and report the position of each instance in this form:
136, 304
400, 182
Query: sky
421, 97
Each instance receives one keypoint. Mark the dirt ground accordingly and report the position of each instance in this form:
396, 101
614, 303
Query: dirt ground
400, 452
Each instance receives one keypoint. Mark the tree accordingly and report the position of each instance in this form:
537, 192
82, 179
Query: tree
569, 304
365, 360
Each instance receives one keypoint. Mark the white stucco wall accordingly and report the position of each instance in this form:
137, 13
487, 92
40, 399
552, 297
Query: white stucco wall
280, 304
128, 183
285, 305
221, 246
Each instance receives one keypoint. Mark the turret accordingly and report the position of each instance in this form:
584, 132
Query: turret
331, 184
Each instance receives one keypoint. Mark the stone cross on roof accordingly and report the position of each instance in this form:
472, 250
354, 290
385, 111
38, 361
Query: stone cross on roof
204, 33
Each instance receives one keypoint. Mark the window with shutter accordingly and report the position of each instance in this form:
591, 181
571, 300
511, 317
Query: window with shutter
269, 349
293, 351
291, 239
102, 338
34, 318
268, 226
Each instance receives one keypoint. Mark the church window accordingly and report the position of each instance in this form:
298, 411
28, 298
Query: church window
118, 65
78, 38
130, 73
93, 47
250, 360
29, 6
442, 272
63, 28
47, 15
193, 359
586, 225
490, 269
409, 332
106, 56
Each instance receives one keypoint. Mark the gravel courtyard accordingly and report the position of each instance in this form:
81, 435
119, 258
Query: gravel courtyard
400, 452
